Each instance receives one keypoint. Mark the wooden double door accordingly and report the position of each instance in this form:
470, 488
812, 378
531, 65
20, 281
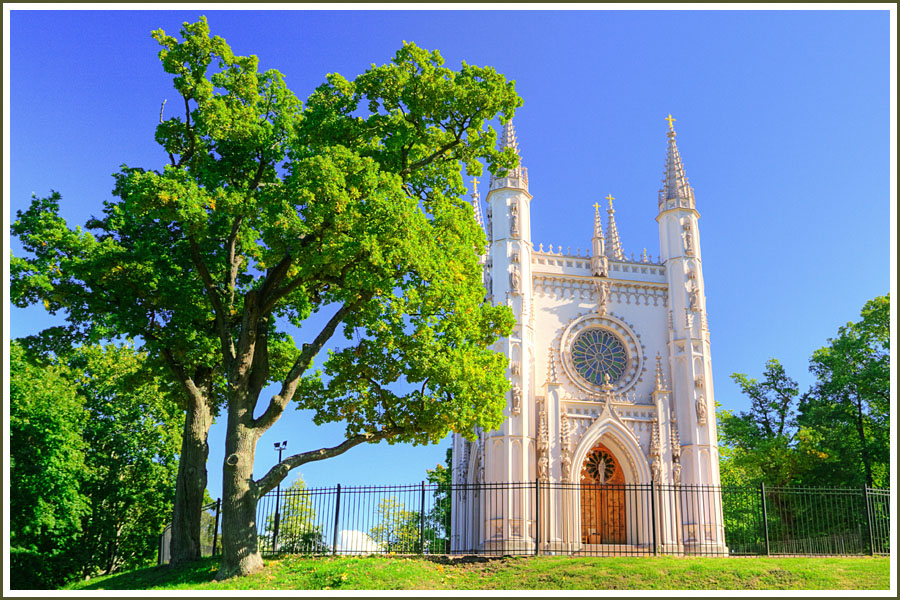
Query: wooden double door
602, 498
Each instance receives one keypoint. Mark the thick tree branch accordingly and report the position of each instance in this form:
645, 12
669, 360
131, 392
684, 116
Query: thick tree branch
280, 401
428, 159
277, 473
234, 261
224, 330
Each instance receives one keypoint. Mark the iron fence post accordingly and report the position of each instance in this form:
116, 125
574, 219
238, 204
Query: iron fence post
216, 526
422, 522
865, 491
337, 514
653, 514
537, 516
765, 516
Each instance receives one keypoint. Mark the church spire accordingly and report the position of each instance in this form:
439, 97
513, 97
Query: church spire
614, 246
516, 177
676, 190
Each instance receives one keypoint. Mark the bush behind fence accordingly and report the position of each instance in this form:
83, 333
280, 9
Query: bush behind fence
416, 519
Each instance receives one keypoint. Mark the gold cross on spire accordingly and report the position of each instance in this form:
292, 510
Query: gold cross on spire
610, 198
475, 186
670, 120
596, 206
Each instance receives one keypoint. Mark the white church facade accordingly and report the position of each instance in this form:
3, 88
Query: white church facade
611, 387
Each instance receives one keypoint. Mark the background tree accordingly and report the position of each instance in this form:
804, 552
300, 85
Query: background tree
94, 440
299, 532
132, 436
46, 467
129, 280
437, 521
396, 529
849, 405
761, 444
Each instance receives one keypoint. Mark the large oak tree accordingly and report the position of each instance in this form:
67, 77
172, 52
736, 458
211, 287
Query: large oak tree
268, 212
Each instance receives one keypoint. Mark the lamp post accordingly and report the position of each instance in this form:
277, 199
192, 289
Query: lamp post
280, 448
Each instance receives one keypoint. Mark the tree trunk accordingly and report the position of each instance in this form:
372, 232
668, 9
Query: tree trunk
240, 545
863, 449
191, 483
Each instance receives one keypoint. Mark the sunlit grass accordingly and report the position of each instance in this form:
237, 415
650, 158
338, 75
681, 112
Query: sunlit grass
518, 573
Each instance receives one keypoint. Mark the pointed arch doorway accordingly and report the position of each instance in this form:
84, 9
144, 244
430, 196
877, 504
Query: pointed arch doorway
602, 498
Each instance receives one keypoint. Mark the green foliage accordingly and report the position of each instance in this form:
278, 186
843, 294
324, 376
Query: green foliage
836, 434
849, 406
94, 439
133, 434
47, 464
761, 444
269, 212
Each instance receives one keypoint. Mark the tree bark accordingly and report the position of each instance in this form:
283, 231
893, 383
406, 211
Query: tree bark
240, 545
190, 484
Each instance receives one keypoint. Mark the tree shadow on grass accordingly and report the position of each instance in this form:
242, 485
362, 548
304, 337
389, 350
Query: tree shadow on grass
194, 573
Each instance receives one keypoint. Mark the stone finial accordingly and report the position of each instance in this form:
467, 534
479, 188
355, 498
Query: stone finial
613, 246
660, 378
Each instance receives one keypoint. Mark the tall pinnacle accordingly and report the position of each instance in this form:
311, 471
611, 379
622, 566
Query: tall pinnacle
516, 177
660, 379
508, 137
676, 190
614, 246
476, 203
599, 261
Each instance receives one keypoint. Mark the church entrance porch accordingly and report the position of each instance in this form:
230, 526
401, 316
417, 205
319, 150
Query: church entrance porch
603, 511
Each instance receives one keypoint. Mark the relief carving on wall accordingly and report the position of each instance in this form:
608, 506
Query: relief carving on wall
602, 296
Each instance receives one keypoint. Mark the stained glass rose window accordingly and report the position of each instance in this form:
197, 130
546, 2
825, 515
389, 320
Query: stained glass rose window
596, 353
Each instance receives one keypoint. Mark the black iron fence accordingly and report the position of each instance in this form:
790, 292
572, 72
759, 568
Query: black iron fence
570, 518
209, 533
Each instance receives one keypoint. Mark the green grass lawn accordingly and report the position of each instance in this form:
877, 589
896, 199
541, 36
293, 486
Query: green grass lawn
522, 573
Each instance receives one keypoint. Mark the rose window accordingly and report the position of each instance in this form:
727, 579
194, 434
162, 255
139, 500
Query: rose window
597, 353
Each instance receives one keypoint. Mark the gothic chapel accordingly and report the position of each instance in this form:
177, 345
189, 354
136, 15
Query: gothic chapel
611, 385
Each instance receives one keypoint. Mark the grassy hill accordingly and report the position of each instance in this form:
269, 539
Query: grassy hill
517, 573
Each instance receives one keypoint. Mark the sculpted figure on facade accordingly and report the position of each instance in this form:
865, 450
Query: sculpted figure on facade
515, 281
688, 240
516, 400
514, 219
602, 296
701, 410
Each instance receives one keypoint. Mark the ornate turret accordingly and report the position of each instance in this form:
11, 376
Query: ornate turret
599, 261
516, 177
676, 190
614, 246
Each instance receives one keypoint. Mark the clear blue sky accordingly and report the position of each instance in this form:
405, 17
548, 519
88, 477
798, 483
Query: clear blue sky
782, 120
